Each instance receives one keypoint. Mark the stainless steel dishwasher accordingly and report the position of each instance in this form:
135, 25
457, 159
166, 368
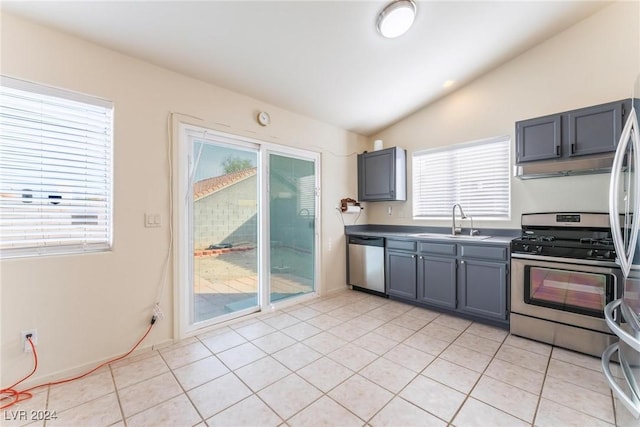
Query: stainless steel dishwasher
366, 263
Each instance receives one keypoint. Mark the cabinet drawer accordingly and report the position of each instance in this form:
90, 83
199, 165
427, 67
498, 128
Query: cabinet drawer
437, 248
403, 245
484, 252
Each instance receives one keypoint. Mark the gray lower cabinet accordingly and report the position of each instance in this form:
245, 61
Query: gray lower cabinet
401, 274
437, 281
482, 288
469, 279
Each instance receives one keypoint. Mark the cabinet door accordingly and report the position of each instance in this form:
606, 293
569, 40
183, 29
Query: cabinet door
595, 129
437, 281
482, 288
539, 138
376, 175
401, 274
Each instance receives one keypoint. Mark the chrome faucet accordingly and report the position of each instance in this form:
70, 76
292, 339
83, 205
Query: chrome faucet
472, 231
456, 230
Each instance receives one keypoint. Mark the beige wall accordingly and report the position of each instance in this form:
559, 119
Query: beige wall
90, 307
595, 61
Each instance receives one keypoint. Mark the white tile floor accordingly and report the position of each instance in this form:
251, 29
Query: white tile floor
350, 359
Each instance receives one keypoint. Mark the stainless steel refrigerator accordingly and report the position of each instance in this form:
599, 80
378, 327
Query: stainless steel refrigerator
623, 315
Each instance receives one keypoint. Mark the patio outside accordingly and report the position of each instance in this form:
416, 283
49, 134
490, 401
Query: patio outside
225, 231
227, 282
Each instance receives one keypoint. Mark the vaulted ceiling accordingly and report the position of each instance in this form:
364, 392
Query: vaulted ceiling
323, 59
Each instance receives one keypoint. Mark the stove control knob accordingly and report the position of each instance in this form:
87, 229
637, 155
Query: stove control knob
538, 249
525, 248
590, 253
607, 255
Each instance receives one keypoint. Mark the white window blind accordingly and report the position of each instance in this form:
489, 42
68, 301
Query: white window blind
476, 175
55, 170
307, 195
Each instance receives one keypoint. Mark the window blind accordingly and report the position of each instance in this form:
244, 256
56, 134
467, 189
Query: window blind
476, 175
307, 196
55, 170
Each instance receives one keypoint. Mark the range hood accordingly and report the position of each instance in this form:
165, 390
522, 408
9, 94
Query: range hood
579, 166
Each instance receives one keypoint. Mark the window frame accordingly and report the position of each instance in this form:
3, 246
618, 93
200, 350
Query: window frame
53, 244
468, 208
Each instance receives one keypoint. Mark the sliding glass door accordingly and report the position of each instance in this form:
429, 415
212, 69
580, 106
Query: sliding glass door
292, 225
224, 230
247, 226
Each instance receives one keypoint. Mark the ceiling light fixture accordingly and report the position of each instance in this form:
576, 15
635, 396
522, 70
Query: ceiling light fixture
396, 18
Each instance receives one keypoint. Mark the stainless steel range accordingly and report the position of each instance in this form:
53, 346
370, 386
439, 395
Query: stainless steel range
563, 274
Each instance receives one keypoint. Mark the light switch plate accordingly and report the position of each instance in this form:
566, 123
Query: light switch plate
152, 220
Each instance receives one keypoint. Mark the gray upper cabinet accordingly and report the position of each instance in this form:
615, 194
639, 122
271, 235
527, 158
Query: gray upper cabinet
596, 129
539, 138
382, 175
582, 132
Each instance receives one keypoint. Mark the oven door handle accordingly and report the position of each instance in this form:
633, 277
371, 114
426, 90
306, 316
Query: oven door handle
595, 263
623, 335
631, 403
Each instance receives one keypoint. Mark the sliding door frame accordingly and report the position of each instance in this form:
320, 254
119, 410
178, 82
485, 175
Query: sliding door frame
311, 156
181, 169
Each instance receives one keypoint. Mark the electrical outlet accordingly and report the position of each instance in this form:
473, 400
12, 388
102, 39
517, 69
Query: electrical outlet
26, 347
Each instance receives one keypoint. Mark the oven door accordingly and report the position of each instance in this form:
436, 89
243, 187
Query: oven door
573, 292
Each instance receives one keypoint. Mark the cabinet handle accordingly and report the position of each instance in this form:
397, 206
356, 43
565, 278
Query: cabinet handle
573, 148
413, 256
557, 150
462, 262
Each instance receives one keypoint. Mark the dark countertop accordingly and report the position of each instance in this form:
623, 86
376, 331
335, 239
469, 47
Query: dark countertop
498, 236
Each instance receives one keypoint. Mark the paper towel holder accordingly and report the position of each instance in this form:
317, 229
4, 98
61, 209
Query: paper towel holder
348, 202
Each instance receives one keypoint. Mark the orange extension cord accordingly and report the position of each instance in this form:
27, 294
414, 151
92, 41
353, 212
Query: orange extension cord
19, 396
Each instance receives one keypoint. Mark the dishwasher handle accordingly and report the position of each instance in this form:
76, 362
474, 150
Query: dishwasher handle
366, 240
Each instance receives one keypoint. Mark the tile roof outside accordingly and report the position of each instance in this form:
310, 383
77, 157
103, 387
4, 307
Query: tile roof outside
209, 186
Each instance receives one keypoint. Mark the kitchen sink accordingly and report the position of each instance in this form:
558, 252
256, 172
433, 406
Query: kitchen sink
450, 236
464, 237
429, 235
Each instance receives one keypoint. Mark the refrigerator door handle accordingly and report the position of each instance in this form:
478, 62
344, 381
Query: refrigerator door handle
623, 335
632, 403
630, 135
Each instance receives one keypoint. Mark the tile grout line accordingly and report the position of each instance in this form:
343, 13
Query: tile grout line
326, 394
544, 380
397, 395
468, 395
115, 388
358, 372
184, 392
295, 372
46, 404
